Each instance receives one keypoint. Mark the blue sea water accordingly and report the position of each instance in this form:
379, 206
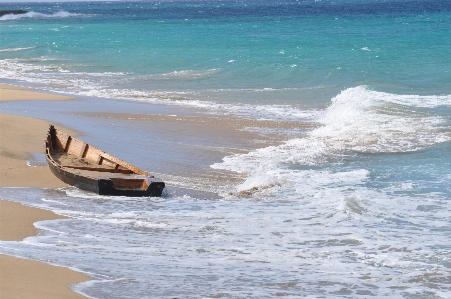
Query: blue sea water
356, 206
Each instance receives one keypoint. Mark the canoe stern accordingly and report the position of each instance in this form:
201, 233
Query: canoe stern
127, 187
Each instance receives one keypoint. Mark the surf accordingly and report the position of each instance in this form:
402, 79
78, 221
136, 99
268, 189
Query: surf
358, 121
39, 15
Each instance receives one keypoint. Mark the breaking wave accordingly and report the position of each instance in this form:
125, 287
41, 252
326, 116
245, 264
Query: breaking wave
36, 15
188, 74
61, 79
16, 49
359, 120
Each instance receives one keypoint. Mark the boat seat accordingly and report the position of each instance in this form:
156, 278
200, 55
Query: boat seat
100, 169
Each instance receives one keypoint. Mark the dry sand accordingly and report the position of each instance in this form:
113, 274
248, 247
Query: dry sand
20, 136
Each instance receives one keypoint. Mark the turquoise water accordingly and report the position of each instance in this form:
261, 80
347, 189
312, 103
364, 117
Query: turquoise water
355, 206
202, 48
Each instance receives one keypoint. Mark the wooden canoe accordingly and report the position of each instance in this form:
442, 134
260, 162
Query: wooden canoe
86, 167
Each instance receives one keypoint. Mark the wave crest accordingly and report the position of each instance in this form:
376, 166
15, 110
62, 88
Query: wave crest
358, 120
16, 49
36, 15
189, 74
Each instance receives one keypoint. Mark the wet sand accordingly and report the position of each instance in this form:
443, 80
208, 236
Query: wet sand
21, 278
20, 93
184, 145
17, 220
20, 136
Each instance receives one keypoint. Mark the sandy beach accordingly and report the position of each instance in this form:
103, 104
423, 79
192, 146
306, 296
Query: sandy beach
19, 137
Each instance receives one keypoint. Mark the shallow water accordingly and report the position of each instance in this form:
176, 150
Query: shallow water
339, 238
306, 146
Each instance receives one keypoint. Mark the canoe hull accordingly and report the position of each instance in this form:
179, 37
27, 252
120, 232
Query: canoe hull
143, 185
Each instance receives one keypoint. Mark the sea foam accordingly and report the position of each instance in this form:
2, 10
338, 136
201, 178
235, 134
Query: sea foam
16, 49
61, 78
359, 120
33, 14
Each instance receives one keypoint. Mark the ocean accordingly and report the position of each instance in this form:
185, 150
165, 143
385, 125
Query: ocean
306, 145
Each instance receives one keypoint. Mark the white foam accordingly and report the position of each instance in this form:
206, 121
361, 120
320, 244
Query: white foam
406, 100
33, 14
52, 201
362, 120
16, 49
189, 74
358, 120
332, 233
262, 112
60, 79
79, 193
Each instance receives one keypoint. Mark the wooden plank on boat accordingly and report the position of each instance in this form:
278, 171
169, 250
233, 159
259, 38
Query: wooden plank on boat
100, 169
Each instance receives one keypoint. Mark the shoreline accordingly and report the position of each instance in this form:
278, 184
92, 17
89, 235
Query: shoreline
21, 137
183, 142
23, 278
